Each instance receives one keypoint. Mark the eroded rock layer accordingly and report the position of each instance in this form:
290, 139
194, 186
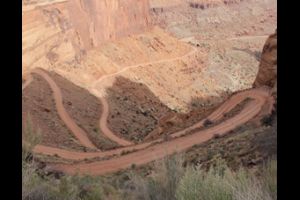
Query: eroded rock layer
63, 30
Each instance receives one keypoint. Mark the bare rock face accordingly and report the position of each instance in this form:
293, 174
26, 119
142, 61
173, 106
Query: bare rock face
97, 21
267, 73
62, 31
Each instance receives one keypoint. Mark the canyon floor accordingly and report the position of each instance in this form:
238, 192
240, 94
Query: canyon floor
184, 85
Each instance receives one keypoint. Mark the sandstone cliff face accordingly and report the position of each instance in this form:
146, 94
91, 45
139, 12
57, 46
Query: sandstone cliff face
97, 21
63, 30
267, 73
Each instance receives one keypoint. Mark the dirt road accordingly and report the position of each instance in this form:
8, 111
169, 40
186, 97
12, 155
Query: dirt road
103, 120
147, 152
161, 150
104, 128
216, 115
249, 37
194, 50
150, 151
76, 130
95, 91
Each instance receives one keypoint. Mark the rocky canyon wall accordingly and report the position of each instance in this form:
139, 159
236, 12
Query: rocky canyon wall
63, 30
100, 20
267, 74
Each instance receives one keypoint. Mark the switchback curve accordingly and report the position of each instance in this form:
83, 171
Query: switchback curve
178, 144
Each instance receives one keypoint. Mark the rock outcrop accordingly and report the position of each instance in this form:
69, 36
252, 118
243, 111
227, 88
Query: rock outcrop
63, 30
97, 21
267, 73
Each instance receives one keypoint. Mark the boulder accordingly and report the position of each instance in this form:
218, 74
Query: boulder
267, 73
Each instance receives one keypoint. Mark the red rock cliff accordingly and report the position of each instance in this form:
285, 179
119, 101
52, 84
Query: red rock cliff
63, 30
100, 20
267, 73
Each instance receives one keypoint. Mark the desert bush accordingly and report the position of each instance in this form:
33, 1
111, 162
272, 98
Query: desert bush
269, 177
67, 188
197, 184
33, 186
29, 179
216, 136
246, 186
169, 174
220, 183
30, 138
163, 184
267, 120
207, 122
80, 187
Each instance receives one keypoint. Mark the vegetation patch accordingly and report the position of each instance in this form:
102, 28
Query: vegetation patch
173, 178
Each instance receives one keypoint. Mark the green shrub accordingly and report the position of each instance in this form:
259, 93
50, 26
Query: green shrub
67, 188
162, 185
220, 183
171, 182
30, 138
246, 186
33, 186
200, 185
169, 174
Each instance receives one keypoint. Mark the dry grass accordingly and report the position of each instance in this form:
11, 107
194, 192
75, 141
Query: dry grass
170, 180
173, 181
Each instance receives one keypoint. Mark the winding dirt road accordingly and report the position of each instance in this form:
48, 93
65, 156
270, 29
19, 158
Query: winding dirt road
161, 150
103, 120
75, 129
216, 115
194, 50
104, 128
146, 152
